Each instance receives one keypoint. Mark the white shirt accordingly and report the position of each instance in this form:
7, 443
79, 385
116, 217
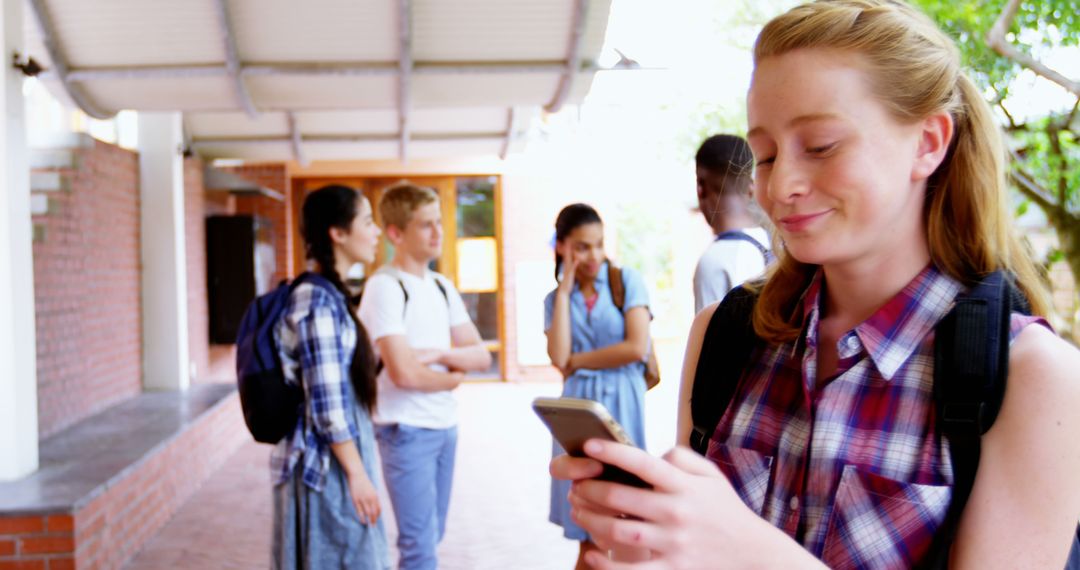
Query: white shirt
425, 322
726, 264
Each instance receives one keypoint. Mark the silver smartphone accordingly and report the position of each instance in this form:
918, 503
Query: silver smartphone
573, 421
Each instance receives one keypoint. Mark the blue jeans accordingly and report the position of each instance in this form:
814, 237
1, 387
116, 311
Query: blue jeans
418, 468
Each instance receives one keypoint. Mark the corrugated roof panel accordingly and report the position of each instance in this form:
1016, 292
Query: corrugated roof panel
315, 30
479, 120
477, 90
592, 40
323, 92
351, 151
193, 94
347, 122
490, 30
236, 125
109, 33
248, 151
462, 148
32, 39
132, 33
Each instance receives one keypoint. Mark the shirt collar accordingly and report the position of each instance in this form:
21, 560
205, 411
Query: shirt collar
894, 332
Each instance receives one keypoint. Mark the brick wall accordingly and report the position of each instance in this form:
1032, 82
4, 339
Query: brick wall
279, 214
37, 542
87, 289
195, 248
112, 528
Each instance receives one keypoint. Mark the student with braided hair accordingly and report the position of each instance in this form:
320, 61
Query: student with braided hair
326, 505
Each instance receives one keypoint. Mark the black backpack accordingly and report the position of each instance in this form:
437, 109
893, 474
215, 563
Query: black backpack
271, 406
971, 365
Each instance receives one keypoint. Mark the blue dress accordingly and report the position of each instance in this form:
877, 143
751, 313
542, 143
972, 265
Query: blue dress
621, 390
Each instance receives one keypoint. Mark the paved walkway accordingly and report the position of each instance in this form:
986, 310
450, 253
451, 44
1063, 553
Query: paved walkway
498, 510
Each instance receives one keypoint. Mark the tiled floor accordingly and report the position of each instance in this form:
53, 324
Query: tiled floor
498, 510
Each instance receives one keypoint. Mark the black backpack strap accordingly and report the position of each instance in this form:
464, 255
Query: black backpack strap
725, 349
971, 364
442, 289
971, 367
379, 365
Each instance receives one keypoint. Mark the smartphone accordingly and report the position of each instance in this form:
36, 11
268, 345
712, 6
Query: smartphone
573, 421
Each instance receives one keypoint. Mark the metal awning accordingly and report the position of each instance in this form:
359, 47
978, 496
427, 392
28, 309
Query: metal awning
324, 79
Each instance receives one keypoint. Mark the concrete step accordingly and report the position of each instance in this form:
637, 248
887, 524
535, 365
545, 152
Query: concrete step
57, 139
41, 204
48, 181
57, 151
43, 159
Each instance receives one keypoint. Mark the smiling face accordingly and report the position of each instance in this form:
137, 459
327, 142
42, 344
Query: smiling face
585, 244
841, 178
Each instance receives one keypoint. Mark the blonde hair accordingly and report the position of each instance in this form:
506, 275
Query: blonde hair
915, 70
400, 201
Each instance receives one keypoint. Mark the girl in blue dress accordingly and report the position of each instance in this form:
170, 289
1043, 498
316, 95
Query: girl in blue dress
599, 349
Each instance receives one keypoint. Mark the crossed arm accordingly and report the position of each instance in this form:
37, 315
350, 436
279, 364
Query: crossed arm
408, 367
632, 348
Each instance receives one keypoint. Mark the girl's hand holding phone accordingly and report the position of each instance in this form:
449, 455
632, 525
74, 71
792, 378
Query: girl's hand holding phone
691, 516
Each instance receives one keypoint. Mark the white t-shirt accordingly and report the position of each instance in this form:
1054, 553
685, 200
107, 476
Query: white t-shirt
726, 264
425, 322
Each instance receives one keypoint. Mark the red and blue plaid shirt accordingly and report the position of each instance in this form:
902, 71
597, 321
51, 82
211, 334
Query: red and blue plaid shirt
316, 339
853, 467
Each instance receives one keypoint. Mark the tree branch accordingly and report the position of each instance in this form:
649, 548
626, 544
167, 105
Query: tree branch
1013, 126
995, 38
1053, 133
1031, 189
1067, 125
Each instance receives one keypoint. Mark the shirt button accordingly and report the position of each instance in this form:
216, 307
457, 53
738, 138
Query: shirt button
853, 342
794, 503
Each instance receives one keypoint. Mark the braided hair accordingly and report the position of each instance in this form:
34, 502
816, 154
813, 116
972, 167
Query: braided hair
335, 206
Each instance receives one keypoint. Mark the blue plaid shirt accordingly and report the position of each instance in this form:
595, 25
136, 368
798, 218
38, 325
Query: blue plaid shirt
316, 338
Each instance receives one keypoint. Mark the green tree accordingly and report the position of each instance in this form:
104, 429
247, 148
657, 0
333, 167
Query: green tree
1000, 42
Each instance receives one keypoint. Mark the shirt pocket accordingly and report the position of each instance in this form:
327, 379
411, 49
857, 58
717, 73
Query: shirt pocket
878, 522
748, 471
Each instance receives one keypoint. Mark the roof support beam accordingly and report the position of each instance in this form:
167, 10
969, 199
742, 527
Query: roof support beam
389, 137
156, 72
295, 140
59, 62
509, 133
405, 67
232, 60
334, 70
573, 57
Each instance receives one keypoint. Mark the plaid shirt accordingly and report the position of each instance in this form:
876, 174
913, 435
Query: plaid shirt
853, 466
316, 338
